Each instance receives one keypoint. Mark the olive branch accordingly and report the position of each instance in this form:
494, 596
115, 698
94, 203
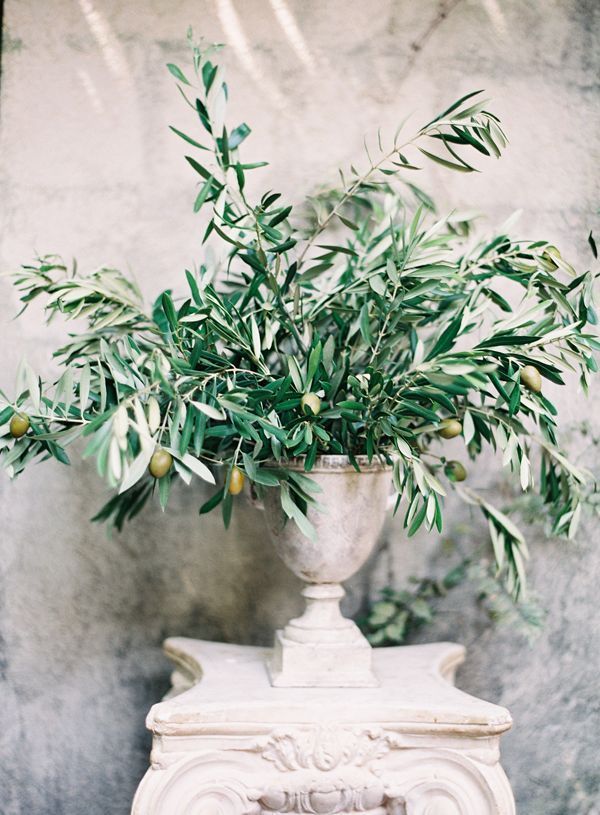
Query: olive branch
359, 324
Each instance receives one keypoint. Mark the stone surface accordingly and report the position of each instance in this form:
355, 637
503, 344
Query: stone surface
355, 506
89, 168
226, 741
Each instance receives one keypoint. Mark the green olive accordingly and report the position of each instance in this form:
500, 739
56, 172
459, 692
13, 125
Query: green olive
531, 378
312, 402
19, 425
160, 463
455, 471
236, 481
450, 428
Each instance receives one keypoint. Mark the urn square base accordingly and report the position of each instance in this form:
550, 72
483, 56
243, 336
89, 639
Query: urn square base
226, 742
321, 665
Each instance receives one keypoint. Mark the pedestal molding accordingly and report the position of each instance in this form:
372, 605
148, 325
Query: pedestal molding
415, 746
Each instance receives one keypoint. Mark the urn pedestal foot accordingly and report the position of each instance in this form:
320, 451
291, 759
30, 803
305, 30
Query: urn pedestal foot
321, 649
312, 665
228, 743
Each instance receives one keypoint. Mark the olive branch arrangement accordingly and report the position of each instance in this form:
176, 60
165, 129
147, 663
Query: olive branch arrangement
359, 324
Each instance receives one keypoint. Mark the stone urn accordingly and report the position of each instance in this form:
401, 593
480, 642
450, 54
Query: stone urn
322, 648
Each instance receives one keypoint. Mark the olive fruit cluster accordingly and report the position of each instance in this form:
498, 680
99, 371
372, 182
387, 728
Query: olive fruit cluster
449, 429
529, 377
162, 461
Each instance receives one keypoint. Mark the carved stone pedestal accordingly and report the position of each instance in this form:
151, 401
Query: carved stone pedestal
228, 743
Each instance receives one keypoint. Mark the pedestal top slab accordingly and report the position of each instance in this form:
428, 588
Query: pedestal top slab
228, 690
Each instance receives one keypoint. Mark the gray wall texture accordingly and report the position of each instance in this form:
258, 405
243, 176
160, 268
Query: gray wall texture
89, 169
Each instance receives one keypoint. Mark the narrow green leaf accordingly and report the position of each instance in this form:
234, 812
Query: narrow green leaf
377, 283
313, 363
177, 73
238, 134
84, 387
169, 310
454, 106
295, 373
212, 502
193, 284
445, 163
209, 410
266, 478
365, 327
205, 191
188, 139
281, 216
164, 490
198, 167
226, 509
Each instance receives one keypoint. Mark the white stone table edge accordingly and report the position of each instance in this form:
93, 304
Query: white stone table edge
225, 687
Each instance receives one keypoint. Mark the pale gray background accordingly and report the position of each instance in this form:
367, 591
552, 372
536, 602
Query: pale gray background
89, 168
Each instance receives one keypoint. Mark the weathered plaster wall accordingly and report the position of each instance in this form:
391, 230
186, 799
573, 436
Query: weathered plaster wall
89, 168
